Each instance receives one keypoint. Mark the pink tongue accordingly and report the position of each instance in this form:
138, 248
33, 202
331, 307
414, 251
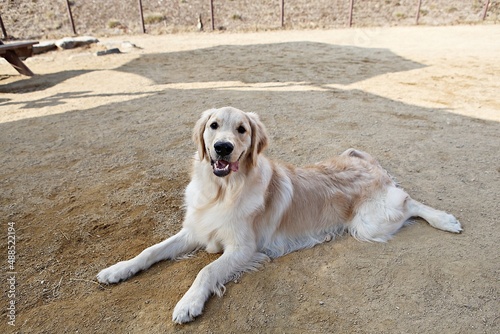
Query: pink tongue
234, 166
221, 164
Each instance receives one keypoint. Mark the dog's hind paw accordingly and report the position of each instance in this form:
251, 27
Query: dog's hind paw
449, 223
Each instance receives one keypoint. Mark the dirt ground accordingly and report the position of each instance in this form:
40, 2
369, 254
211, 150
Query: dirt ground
96, 153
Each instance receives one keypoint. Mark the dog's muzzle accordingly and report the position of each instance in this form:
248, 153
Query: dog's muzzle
222, 165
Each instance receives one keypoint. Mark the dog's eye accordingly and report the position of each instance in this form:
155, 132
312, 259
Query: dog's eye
241, 129
214, 126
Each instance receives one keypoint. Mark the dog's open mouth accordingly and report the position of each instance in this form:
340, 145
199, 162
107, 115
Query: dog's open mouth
223, 167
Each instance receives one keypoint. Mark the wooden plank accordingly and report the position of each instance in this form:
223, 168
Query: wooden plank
12, 51
26, 46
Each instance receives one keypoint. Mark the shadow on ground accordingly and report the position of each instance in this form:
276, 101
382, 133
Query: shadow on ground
39, 82
315, 63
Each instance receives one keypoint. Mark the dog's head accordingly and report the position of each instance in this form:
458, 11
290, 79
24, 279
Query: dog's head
228, 137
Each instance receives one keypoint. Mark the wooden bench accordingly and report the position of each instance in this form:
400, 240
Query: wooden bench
12, 52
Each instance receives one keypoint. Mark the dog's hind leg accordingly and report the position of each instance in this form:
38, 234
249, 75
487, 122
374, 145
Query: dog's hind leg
380, 218
171, 248
436, 218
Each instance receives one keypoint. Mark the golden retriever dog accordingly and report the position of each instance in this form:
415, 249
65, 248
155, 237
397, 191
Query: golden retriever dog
251, 208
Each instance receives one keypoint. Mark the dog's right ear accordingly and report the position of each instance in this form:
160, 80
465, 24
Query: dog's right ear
199, 128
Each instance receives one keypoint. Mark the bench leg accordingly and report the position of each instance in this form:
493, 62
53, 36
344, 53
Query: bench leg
14, 60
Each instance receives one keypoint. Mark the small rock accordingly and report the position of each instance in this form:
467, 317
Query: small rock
129, 45
108, 52
70, 42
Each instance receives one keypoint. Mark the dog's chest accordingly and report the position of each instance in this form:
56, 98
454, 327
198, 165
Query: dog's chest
214, 228
222, 215
219, 222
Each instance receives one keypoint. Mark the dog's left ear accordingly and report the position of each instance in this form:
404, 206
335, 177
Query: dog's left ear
199, 128
259, 137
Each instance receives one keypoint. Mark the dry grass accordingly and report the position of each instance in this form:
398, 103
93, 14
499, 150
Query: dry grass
49, 19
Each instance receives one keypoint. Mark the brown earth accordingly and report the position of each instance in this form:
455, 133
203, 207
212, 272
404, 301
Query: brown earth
96, 153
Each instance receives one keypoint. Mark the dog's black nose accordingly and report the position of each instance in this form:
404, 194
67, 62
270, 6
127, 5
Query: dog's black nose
223, 148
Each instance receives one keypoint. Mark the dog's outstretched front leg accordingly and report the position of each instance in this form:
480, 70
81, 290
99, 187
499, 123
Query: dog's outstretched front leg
212, 278
171, 248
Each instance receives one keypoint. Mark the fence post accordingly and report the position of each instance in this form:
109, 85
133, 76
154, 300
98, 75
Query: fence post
4, 32
71, 17
282, 14
212, 13
142, 17
418, 11
486, 9
351, 9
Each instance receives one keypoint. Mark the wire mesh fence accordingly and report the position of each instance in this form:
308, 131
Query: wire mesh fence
38, 19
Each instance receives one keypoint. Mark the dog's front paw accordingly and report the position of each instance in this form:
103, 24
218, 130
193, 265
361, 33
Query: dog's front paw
117, 272
187, 309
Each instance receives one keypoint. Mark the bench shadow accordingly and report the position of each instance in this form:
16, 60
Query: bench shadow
39, 82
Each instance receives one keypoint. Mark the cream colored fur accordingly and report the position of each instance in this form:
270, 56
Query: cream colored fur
265, 209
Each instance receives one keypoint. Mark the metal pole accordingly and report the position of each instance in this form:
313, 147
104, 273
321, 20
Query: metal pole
4, 32
486, 9
71, 17
282, 14
418, 11
212, 13
351, 9
142, 17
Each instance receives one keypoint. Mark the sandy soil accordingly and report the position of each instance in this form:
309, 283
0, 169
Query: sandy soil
96, 153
